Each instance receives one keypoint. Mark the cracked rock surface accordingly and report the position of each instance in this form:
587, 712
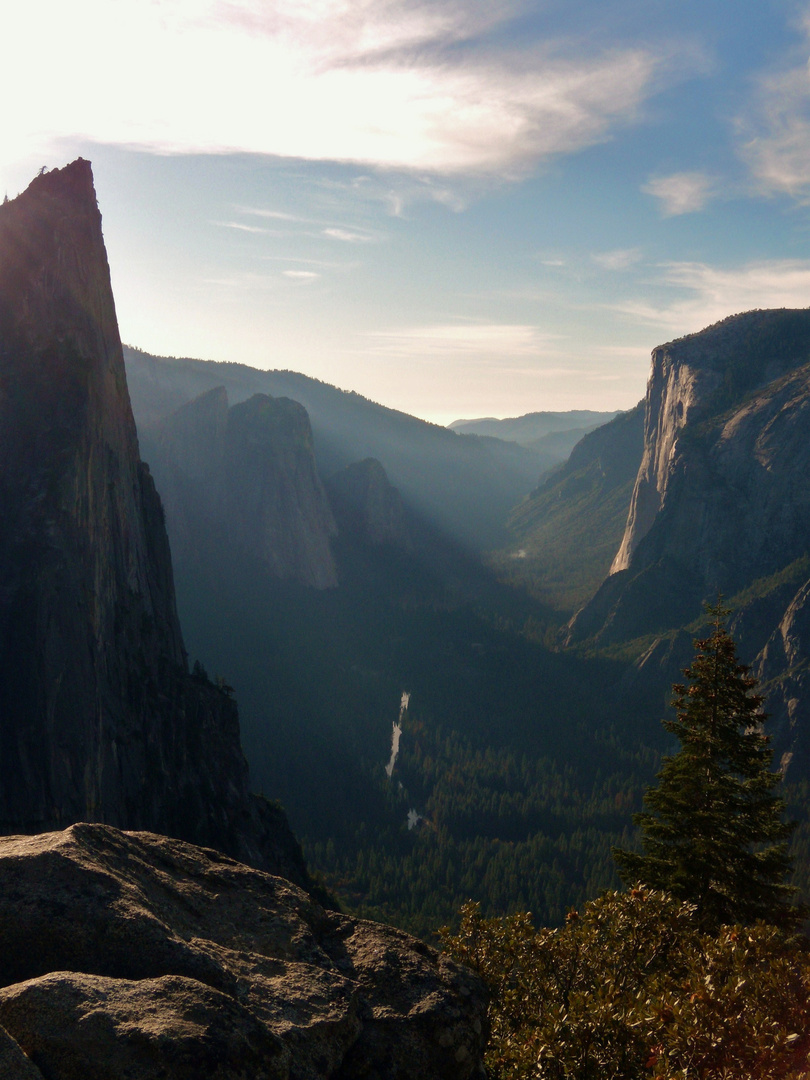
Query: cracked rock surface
133, 955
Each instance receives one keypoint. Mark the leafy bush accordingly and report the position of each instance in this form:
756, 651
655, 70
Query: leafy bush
632, 988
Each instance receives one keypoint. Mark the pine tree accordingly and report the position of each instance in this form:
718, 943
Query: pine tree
713, 832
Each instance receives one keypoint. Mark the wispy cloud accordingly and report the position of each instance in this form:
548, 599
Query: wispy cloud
348, 236
244, 281
620, 259
487, 341
775, 137
275, 215
240, 226
681, 193
301, 275
704, 294
396, 84
326, 264
774, 130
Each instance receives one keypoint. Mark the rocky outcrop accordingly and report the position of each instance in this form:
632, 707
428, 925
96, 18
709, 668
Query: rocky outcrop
127, 954
99, 719
783, 668
243, 479
368, 506
721, 497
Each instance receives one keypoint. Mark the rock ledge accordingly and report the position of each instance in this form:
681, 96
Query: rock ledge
129, 954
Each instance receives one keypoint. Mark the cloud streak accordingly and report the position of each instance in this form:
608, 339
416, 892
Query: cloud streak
619, 259
710, 293
776, 137
681, 193
774, 132
402, 86
466, 341
348, 236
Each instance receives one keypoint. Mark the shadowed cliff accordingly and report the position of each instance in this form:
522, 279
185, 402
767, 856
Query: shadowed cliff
244, 479
99, 719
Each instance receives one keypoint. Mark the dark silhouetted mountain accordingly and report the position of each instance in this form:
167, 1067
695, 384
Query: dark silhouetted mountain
566, 531
466, 485
99, 719
246, 476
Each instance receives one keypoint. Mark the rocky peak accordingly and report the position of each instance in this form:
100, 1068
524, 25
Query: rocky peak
368, 506
273, 492
195, 440
243, 478
67, 432
99, 719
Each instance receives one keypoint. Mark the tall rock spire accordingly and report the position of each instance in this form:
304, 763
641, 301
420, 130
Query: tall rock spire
99, 719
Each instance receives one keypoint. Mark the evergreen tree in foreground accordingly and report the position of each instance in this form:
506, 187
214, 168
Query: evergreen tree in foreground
713, 832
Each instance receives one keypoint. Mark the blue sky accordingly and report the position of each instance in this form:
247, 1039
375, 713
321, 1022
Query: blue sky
455, 208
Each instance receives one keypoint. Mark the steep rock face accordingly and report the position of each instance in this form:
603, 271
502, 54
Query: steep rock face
245, 476
367, 505
127, 954
783, 667
99, 719
721, 497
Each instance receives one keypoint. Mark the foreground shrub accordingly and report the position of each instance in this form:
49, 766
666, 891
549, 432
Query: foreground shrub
631, 987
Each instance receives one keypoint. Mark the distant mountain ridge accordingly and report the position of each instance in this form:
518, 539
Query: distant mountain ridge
553, 434
466, 485
531, 426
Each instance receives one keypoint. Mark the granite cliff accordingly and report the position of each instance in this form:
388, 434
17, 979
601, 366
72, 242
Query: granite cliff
368, 506
99, 719
721, 497
243, 479
721, 503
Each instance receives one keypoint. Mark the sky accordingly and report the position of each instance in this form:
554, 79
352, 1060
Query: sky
457, 208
